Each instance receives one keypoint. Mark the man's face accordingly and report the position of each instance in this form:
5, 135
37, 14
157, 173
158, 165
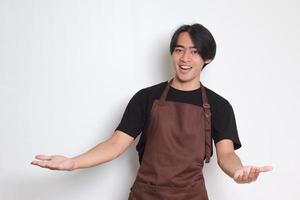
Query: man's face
186, 60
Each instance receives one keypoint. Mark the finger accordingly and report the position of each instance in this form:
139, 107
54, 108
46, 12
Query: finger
265, 168
254, 179
239, 178
43, 157
43, 164
34, 162
245, 176
252, 173
238, 175
249, 171
51, 166
256, 174
257, 171
39, 163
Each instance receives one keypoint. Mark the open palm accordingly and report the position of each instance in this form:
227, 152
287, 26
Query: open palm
248, 174
55, 162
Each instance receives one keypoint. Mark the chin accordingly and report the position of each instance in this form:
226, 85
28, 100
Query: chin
183, 79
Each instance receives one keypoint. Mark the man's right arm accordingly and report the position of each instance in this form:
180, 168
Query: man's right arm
101, 153
105, 151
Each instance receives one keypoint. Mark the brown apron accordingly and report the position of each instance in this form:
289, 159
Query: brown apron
178, 141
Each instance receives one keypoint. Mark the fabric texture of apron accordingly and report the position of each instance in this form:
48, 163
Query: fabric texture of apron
178, 142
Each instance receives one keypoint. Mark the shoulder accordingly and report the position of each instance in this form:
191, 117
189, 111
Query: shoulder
152, 91
216, 100
156, 88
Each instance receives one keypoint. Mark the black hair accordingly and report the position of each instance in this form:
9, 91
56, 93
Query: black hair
202, 39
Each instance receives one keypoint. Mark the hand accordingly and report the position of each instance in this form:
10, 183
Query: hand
55, 162
248, 174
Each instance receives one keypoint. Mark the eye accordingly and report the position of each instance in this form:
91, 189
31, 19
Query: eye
194, 51
177, 50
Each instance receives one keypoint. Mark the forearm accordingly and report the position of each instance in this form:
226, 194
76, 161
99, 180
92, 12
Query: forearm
101, 153
229, 163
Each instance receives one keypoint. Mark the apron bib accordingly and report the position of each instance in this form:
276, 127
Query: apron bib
178, 141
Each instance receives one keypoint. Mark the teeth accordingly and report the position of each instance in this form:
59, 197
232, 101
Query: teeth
185, 67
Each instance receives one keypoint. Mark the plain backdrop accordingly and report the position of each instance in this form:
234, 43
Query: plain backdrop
68, 68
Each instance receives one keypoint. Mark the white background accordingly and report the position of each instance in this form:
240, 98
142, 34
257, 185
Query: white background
68, 69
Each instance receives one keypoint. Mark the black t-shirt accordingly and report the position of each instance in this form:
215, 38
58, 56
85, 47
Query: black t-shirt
136, 115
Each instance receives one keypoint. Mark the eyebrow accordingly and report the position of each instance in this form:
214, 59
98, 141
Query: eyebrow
191, 47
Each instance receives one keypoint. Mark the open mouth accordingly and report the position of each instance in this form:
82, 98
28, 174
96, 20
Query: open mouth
185, 68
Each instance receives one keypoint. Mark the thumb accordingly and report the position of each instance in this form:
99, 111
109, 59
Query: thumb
265, 168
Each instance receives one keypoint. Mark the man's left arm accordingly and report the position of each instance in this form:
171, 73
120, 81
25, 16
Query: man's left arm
231, 164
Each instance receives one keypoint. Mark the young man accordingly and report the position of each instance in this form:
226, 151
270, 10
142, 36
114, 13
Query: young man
177, 120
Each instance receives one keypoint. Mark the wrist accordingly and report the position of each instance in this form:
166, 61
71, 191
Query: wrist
74, 162
236, 170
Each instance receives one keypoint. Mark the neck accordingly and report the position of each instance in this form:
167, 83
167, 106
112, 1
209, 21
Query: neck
186, 86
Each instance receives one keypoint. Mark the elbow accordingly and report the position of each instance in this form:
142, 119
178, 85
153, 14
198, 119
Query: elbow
117, 151
115, 156
223, 158
220, 161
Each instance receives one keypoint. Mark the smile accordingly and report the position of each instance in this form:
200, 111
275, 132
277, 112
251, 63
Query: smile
185, 67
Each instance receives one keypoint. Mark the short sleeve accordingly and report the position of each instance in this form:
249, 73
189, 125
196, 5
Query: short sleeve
224, 124
133, 119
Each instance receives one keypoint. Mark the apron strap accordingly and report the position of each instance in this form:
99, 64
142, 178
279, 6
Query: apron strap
165, 92
207, 124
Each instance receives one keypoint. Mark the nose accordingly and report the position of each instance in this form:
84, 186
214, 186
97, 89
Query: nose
185, 57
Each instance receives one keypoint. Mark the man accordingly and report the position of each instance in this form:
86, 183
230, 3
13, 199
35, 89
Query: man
177, 120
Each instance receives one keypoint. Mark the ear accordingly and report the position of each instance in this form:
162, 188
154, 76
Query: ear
207, 61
